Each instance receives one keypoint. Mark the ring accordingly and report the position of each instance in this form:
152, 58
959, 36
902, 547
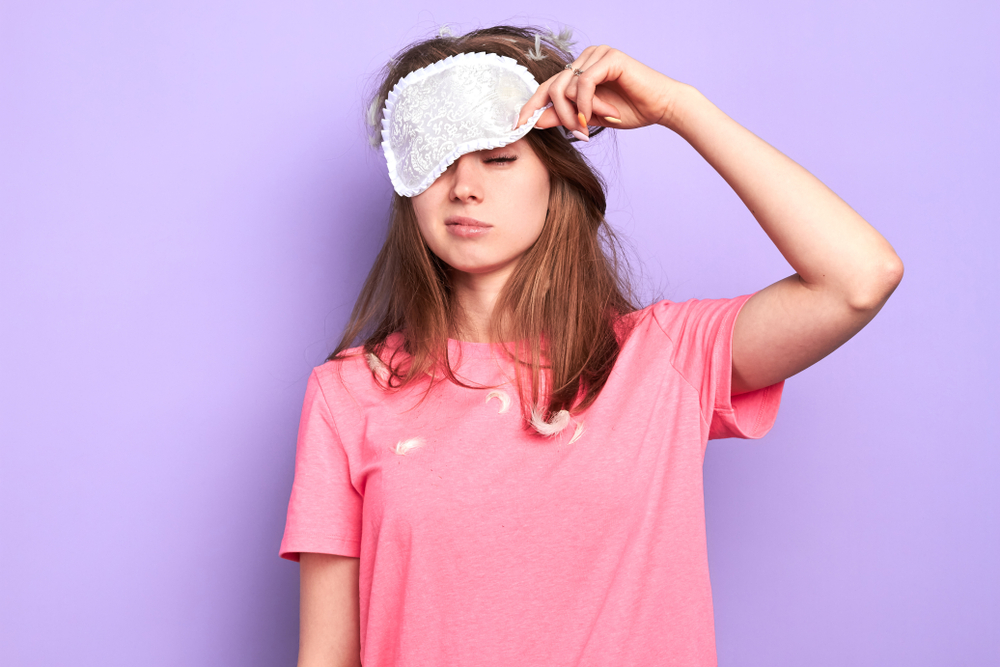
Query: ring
576, 72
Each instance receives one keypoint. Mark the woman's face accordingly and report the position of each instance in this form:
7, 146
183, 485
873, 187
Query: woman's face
484, 212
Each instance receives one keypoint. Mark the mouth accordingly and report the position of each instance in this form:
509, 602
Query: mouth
466, 228
459, 221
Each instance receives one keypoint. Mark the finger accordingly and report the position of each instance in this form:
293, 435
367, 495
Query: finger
596, 71
587, 60
541, 96
605, 113
538, 100
548, 119
602, 111
588, 56
569, 114
563, 106
565, 109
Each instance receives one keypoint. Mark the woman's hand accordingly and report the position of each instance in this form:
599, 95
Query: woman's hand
612, 90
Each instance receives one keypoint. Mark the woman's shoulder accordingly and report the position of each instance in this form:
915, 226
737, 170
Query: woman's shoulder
675, 318
347, 370
356, 369
640, 319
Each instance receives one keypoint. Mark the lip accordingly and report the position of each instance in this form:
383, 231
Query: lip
466, 227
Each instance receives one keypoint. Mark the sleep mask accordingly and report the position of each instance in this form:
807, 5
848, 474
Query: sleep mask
436, 114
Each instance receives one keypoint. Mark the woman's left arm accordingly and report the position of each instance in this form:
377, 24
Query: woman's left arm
844, 269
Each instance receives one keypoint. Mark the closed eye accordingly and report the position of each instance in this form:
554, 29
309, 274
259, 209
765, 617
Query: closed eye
501, 158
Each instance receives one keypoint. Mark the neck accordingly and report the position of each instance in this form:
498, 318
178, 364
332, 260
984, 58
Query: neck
476, 294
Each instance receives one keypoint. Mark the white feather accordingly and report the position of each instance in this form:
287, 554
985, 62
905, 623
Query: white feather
537, 53
378, 367
503, 397
564, 40
404, 446
371, 119
577, 433
559, 421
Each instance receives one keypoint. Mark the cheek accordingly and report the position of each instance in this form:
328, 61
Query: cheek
422, 211
535, 198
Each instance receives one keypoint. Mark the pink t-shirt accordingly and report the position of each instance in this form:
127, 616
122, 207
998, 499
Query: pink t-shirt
488, 544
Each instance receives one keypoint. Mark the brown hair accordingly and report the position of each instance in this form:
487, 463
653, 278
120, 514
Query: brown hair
565, 300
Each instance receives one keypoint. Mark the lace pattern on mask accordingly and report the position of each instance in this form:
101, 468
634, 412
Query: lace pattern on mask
464, 103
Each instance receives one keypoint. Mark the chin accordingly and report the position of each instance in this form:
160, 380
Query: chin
476, 268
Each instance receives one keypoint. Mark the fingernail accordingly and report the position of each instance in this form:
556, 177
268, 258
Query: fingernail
612, 120
580, 135
583, 119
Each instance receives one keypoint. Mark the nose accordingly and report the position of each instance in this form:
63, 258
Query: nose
466, 179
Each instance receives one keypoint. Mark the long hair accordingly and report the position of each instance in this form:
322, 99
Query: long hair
560, 314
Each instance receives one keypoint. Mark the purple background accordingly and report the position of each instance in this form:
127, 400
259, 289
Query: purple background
188, 208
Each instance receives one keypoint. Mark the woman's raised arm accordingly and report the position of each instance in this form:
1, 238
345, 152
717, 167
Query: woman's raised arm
844, 269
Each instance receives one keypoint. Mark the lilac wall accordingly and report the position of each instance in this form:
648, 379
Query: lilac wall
187, 209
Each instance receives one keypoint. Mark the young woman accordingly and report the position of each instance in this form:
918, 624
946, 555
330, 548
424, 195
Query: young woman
507, 470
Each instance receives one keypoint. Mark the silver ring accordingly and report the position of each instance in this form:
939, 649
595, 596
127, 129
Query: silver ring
577, 72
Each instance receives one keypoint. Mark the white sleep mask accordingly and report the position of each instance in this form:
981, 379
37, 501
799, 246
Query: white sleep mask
464, 103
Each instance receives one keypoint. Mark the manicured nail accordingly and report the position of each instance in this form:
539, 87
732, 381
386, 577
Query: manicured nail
580, 135
583, 119
612, 120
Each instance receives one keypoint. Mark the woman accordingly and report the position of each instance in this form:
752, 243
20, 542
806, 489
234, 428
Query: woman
435, 525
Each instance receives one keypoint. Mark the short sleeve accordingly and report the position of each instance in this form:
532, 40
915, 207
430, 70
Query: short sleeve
702, 335
324, 511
